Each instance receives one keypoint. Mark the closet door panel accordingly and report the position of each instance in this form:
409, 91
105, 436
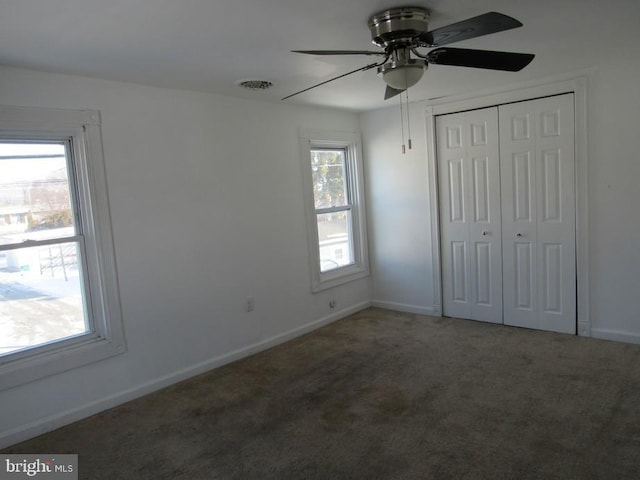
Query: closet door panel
470, 198
538, 211
556, 221
452, 173
517, 180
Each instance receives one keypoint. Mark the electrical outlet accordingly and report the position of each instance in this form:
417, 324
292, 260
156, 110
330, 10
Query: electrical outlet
251, 304
332, 304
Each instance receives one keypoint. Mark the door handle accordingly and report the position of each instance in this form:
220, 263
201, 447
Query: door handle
485, 233
519, 235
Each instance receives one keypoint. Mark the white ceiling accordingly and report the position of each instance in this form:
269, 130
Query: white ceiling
207, 45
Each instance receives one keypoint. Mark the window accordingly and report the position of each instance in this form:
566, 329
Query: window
335, 208
59, 305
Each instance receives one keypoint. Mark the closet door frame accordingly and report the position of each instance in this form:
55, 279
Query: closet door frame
577, 86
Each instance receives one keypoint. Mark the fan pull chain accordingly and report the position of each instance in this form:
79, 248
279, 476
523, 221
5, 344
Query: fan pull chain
404, 150
402, 124
408, 121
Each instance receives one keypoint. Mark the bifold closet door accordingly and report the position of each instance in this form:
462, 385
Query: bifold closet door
537, 164
468, 166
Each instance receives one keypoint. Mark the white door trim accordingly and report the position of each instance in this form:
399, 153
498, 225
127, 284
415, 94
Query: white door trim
577, 86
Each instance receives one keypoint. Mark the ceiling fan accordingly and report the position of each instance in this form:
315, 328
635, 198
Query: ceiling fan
401, 31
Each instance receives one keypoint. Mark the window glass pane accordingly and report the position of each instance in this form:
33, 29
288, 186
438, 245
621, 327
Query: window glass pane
334, 239
35, 197
329, 178
40, 296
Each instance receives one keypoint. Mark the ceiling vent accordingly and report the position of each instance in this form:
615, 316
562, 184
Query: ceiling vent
255, 84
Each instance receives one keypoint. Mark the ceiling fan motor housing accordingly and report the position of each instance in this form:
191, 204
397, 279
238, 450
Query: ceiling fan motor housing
398, 26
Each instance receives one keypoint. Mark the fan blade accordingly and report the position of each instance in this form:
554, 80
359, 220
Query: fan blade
464, 57
361, 69
338, 52
391, 92
484, 24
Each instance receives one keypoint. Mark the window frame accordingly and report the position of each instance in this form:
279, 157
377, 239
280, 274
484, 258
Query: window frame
351, 143
81, 129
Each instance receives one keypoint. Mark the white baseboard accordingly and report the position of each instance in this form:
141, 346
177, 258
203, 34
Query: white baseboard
615, 335
404, 307
47, 424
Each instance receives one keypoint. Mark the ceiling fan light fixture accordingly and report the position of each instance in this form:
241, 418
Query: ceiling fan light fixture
404, 76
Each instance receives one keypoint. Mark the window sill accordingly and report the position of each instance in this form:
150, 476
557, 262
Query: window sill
40, 365
339, 276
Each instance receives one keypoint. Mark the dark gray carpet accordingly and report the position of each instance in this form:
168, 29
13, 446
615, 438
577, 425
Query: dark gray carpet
382, 395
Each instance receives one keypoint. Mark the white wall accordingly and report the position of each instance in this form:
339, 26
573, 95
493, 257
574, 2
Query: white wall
207, 209
614, 199
399, 210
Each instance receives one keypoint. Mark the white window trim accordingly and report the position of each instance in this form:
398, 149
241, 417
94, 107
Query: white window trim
350, 141
83, 128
